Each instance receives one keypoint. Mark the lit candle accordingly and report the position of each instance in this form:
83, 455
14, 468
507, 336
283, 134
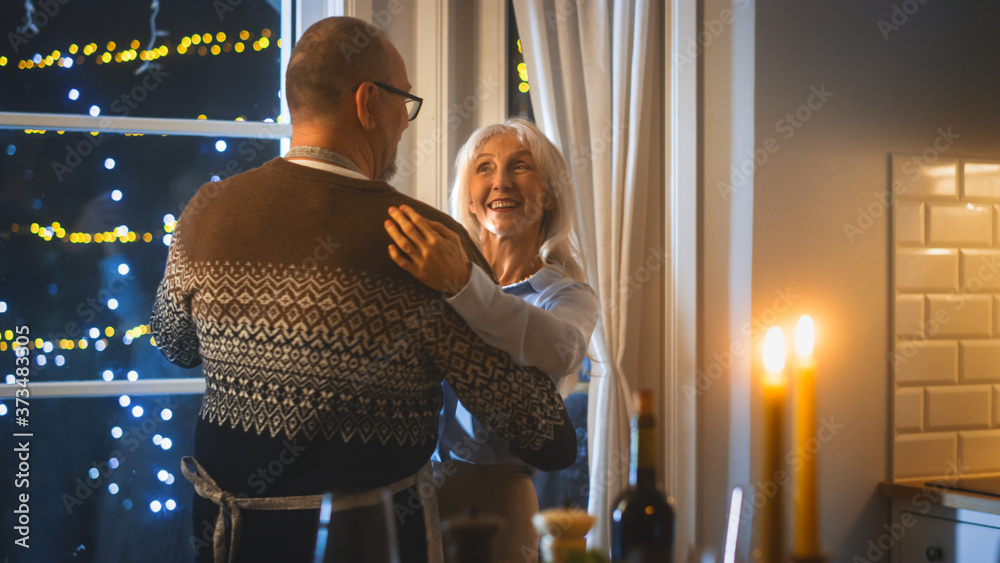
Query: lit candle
772, 517
806, 540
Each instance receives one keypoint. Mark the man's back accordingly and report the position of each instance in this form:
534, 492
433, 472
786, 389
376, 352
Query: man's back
323, 360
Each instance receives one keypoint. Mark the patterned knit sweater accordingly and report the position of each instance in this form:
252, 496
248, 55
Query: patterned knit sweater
324, 360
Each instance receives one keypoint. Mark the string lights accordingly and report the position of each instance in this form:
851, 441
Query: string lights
112, 353
95, 337
195, 44
522, 72
98, 339
121, 234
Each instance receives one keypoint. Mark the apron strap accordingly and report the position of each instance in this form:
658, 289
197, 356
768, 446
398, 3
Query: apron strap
231, 517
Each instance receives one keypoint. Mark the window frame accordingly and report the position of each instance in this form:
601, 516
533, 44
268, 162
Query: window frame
281, 131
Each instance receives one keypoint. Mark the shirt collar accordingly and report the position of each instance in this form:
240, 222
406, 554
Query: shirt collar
538, 281
340, 170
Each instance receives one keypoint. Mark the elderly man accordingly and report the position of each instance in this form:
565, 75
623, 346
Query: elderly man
323, 360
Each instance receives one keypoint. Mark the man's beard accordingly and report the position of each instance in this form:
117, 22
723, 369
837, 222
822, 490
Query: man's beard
389, 172
390, 169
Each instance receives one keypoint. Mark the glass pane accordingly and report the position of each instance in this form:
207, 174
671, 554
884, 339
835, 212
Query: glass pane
66, 203
570, 487
103, 480
218, 59
518, 98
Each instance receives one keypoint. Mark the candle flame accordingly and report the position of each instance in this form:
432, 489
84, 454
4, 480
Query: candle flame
774, 350
805, 337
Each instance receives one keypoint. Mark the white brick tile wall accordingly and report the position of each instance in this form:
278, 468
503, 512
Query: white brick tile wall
996, 230
979, 451
924, 455
909, 315
961, 225
946, 312
909, 409
961, 315
959, 407
924, 363
980, 270
909, 223
996, 406
913, 178
979, 361
996, 315
933, 270
982, 179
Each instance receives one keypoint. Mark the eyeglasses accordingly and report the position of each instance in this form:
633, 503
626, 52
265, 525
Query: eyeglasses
413, 103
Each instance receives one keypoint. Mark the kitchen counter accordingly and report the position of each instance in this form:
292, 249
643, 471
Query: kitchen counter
944, 520
960, 494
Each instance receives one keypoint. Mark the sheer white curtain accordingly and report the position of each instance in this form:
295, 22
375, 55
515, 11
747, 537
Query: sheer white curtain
596, 87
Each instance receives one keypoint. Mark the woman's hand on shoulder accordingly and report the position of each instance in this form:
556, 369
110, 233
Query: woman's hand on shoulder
428, 250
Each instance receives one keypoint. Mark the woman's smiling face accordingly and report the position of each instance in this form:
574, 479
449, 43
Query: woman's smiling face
508, 195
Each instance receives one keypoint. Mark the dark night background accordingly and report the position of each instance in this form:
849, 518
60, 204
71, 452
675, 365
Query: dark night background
59, 289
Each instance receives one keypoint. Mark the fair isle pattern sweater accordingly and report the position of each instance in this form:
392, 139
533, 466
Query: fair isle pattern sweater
318, 351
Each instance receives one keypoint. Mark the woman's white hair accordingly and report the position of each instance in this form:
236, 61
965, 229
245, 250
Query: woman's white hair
558, 241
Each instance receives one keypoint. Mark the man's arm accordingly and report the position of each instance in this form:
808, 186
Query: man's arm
553, 339
172, 325
519, 404
552, 336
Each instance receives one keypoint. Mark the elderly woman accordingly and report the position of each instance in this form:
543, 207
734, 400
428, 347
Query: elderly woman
514, 195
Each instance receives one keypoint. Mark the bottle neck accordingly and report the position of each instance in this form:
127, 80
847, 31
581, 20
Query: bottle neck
642, 469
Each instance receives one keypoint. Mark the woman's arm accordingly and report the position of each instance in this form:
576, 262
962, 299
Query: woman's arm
552, 336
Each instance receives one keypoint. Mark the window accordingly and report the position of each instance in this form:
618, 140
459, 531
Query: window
570, 486
105, 481
86, 221
111, 117
179, 59
518, 98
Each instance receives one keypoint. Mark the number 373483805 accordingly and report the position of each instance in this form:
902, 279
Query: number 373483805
23, 371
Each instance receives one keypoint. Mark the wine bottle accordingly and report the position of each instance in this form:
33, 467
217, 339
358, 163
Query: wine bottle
642, 520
